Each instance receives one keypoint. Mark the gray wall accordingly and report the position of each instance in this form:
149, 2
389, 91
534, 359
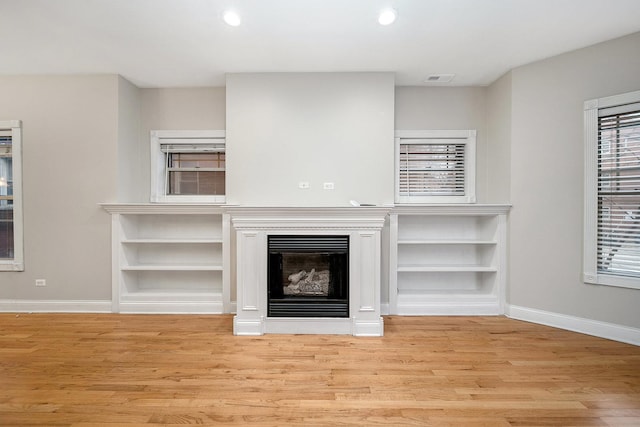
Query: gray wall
129, 154
547, 180
448, 108
80, 144
498, 150
175, 109
70, 163
283, 128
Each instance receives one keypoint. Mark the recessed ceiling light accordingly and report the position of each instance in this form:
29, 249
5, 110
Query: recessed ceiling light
232, 18
387, 16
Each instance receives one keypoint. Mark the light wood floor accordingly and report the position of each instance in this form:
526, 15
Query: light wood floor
124, 370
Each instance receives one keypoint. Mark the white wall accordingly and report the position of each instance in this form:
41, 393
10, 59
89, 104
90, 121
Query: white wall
547, 180
415, 108
283, 128
69, 167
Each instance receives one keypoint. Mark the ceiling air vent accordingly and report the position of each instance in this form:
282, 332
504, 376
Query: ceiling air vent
439, 78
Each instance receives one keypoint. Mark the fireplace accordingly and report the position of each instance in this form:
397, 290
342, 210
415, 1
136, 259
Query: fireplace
308, 276
334, 250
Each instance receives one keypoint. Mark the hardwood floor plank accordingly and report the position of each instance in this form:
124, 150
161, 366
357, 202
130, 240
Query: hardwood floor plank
85, 370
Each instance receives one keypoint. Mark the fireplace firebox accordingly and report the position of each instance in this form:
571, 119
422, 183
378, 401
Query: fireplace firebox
308, 276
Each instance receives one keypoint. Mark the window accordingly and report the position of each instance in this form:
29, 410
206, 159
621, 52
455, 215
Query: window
188, 166
435, 166
612, 191
11, 253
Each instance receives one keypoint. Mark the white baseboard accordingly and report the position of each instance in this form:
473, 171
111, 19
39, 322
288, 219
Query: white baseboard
596, 328
164, 307
368, 328
54, 306
449, 309
93, 306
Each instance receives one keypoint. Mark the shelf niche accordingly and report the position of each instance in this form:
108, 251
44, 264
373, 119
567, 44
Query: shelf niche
169, 258
447, 259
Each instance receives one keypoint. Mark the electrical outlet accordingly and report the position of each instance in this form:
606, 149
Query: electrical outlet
328, 186
41, 282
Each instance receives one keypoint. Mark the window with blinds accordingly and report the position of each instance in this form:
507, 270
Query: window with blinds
618, 240
6, 196
11, 250
435, 166
612, 191
194, 169
188, 166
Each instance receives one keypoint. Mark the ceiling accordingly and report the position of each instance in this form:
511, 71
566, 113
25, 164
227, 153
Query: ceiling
185, 43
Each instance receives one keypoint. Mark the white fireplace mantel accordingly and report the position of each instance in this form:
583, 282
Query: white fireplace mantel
363, 225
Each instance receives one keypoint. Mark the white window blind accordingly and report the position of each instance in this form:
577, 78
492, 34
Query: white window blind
618, 223
612, 191
432, 168
435, 167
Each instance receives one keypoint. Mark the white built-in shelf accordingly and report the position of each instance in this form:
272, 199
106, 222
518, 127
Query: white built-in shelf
446, 268
170, 258
169, 296
169, 241
169, 267
446, 242
447, 259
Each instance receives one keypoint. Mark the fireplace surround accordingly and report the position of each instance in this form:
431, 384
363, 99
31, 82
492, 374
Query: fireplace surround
360, 231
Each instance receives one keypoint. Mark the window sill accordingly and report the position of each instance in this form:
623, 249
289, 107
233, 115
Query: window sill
612, 280
11, 266
421, 200
216, 200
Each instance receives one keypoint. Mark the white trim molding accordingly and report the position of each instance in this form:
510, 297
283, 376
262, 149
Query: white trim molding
171, 307
14, 128
158, 163
54, 306
592, 274
596, 328
450, 138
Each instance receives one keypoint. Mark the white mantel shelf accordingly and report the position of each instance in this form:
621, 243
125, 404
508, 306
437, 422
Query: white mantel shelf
362, 217
453, 209
363, 225
345, 212
161, 208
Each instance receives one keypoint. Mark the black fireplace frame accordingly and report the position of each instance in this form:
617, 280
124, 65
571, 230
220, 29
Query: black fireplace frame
334, 248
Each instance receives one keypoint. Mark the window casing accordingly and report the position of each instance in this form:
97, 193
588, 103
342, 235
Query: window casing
188, 166
436, 166
11, 233
612, 191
